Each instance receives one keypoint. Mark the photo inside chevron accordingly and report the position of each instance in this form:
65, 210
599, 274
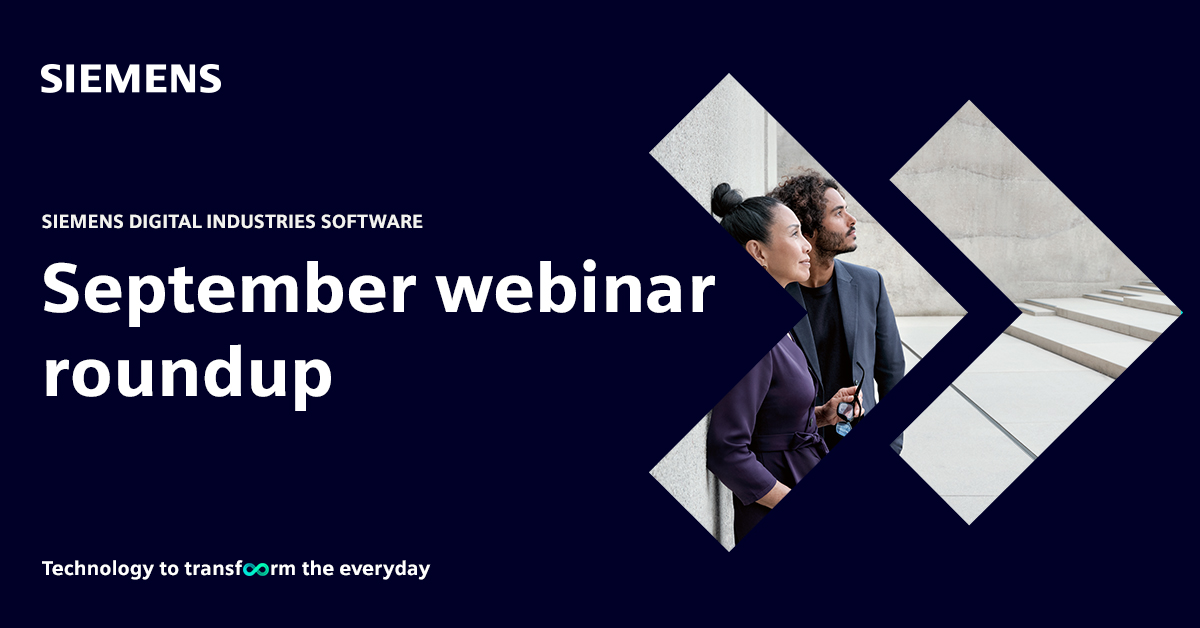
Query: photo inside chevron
444, 421
760, 154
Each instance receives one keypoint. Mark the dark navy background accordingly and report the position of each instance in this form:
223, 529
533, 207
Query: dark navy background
511, 452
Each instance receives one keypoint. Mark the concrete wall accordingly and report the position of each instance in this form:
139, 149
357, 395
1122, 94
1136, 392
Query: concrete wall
911, 289
1006, 216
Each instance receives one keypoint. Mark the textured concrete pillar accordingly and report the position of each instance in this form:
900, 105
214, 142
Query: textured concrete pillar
682, 472
727, 138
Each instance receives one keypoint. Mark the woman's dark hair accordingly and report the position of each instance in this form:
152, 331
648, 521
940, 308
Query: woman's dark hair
745, 220
804, 194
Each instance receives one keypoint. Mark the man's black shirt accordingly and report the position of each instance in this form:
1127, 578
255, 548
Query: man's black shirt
825, 317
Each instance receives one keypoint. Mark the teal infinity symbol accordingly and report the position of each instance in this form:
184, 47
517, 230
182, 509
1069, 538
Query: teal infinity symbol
251, 569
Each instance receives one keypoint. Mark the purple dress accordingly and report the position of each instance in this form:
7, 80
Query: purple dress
765, 430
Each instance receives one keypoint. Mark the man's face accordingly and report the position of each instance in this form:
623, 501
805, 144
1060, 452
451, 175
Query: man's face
836, 233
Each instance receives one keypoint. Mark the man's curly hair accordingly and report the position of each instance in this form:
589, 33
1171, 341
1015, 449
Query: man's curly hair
804, 194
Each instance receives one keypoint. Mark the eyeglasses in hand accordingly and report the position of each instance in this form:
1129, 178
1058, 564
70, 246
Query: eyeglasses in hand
845, 409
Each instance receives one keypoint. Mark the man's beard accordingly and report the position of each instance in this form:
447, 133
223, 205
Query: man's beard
829, 244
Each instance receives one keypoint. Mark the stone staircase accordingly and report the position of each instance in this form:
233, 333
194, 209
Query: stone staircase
1105, 332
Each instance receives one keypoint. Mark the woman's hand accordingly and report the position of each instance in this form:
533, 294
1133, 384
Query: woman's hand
772, 499
827, 414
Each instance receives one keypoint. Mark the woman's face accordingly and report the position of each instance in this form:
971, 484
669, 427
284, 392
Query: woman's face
786, 255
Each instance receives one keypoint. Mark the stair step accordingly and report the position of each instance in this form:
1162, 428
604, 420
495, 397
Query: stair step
1153, 303
1035, 310
1130, 321
1147, 283
1123, 293
1147, 289
1101, 350
1106, 298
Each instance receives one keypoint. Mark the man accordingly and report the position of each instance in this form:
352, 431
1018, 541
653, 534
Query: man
850, 332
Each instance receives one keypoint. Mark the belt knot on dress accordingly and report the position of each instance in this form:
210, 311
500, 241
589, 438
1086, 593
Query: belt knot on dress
787, 442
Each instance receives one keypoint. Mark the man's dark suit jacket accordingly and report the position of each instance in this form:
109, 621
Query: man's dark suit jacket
871, 335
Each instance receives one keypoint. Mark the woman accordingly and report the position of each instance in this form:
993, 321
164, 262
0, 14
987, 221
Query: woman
762, 438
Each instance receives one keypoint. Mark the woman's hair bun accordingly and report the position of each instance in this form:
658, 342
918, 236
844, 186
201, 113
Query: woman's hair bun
752, 218
724, 199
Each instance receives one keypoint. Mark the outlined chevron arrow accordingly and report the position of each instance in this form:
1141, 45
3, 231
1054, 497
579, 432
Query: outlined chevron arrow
1086, 312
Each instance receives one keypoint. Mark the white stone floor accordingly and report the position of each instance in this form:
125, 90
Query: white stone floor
1031, 395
